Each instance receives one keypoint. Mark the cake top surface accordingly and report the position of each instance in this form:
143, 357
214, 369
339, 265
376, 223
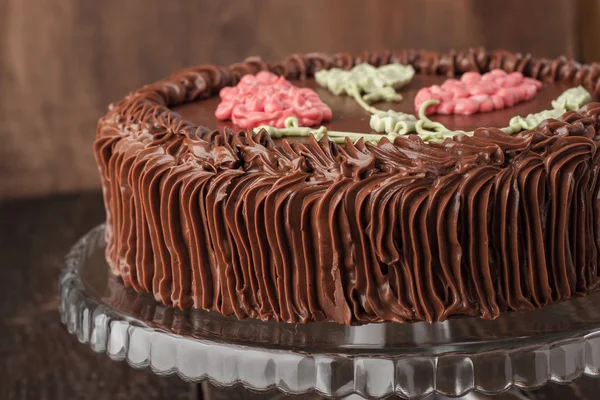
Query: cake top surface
347, 115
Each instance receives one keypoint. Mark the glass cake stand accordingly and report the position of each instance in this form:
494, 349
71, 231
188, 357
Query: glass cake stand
523, 350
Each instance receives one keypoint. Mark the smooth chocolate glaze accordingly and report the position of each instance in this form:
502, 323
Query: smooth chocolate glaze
230, 221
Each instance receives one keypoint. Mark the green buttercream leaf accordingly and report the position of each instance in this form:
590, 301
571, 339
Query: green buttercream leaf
396, 123
572, 99
369, 83
393, 122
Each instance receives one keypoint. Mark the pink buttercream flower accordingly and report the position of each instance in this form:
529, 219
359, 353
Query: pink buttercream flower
474, 92
267, 99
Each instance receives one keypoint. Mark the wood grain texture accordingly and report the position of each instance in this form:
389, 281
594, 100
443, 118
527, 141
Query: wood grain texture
62, 62
588, 29
40, 359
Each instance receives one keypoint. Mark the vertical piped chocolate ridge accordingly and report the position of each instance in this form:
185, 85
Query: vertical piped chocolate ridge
399, 231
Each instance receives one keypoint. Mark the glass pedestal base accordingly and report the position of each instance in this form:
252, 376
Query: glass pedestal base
466, 356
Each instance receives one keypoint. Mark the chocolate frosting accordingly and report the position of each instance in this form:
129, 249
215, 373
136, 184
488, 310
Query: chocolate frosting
230, 221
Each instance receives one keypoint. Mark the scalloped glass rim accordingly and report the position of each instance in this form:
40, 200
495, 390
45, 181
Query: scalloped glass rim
558, 343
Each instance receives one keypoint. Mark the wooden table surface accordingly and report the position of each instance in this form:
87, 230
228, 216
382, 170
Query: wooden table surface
41, 360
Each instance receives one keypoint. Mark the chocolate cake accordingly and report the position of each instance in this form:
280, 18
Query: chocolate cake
202, 213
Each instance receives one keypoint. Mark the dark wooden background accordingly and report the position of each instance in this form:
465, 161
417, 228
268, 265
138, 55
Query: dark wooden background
63, 61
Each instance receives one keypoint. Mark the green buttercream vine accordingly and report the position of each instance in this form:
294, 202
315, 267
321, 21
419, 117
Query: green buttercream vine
394, 123
570, 100
292, 129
